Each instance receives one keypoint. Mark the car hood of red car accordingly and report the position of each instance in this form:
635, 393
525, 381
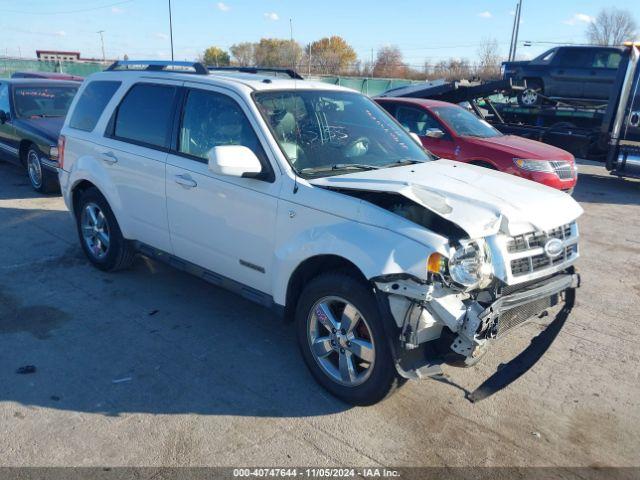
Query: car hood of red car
521, 147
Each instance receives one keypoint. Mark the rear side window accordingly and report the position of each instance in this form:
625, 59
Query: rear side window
607, 60
91, 104
145, 114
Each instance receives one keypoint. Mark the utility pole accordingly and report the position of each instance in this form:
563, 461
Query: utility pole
515, 31
293, 60
171, 30
101, 32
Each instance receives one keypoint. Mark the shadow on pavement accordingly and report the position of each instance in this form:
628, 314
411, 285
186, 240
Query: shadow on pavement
605, 188
148, 340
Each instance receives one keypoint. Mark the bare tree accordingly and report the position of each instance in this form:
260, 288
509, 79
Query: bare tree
243, 53
612, 27
489, 59
389, 63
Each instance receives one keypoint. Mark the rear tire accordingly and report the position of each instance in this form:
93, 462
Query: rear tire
530, 96
338, 302
41, 179
100, 234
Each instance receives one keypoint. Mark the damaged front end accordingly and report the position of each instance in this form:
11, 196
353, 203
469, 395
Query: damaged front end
438, 324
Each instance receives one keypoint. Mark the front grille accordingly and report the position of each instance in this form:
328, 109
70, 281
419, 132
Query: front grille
521, 243
563, 169
516, 316
527, 252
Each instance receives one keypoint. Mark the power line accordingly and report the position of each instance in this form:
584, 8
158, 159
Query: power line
89, 9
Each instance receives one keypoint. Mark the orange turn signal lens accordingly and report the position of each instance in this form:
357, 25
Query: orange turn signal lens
436, 263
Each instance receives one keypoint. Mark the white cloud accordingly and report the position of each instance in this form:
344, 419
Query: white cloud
271, 16
579, 18
223, 7
116, 10
162, 36
485, 14
60, 33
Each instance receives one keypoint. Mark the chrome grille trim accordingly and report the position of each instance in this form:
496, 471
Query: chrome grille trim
522, 258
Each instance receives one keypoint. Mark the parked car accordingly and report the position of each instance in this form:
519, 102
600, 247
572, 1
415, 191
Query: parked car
48, 75
31, 115
567, 73
450, 131
310, 199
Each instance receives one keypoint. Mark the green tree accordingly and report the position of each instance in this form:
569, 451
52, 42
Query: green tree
330, 55
215, 56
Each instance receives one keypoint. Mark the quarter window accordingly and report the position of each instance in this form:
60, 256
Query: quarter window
211, 120
91, 103
607, 60
144, 115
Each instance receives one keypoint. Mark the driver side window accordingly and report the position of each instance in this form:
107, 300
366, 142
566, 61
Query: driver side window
4, 98
212, 119
416, 121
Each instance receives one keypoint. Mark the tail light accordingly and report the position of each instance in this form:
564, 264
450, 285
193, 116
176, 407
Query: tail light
61, 142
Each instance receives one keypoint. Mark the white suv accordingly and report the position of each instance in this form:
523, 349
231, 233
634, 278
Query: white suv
310, 199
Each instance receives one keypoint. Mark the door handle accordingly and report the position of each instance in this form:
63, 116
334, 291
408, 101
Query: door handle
109, 157
186, 181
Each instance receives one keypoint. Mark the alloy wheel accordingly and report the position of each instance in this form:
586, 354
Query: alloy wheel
529, 97
34, 169
341, 341
95, 230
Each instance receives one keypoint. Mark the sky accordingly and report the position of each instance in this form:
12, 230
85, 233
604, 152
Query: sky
424, 30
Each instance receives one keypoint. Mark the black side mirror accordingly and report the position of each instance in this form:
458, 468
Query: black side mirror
3, 117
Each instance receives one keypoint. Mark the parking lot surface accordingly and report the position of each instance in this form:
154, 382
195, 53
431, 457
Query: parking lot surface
154, 367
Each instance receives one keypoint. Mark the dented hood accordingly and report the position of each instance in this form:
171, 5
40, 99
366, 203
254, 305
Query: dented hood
479, 200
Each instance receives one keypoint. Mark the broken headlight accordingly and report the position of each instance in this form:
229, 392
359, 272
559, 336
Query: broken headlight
470, 265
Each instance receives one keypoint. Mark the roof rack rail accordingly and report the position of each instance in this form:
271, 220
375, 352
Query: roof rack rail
158, 66
287, 71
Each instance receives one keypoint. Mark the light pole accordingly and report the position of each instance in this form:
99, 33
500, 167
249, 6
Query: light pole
515, 31
100, 32
171, 30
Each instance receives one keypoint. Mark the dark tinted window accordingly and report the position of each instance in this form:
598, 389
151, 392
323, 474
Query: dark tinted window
4, 98
144, 116
212, 119
607, 59
416, 120
574, 57
91, 104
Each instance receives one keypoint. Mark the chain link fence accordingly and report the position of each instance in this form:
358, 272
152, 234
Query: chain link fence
10, 65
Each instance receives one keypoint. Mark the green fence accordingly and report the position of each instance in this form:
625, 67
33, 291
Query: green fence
11, 65
368, 86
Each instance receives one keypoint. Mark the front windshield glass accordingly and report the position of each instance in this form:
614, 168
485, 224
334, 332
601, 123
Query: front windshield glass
329, 132
42, 101
464, 123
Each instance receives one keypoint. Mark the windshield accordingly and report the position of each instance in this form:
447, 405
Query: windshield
328, 133
42, 101
464, 123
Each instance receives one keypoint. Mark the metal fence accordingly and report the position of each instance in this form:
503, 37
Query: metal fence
368, 86
11, 65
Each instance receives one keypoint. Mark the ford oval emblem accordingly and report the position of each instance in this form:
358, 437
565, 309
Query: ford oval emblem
553, 248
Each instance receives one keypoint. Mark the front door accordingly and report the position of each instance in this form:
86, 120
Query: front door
221, 223
419, 121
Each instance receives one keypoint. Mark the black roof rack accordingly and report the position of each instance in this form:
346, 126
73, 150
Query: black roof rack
158, 66
287, 71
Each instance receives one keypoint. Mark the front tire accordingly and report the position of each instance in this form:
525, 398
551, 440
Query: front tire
342, 339
42, 180
100, 234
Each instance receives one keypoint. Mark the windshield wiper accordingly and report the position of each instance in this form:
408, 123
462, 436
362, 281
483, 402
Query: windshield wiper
400, 163
340, 166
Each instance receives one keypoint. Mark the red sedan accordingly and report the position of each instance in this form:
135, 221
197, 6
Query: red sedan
450, 131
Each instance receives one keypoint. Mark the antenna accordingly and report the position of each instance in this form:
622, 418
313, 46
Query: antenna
171, 30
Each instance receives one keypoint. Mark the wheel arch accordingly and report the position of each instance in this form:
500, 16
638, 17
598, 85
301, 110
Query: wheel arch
23, 148
310, 268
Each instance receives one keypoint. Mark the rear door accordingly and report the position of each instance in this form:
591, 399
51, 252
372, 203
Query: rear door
8, 148
134, 153
570, 69
602, 74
